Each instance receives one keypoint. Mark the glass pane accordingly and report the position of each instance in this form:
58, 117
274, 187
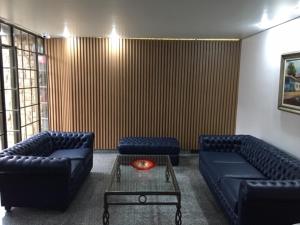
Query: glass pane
32, 43
33, 61
44, 110
20, 59
27, 79
35, 113
29, 130
21, 78
17, 38
9, 79
1, 110
34, 97
26, 60
42, 63
11, 120
43, 95
43, 79
28, 115
25, 44
27, 97
12, 138
40, 43
33, 79
5, 34
7, 57
22, 97
23, 117
11, 99
1, 143
44, 124
35, 127
1, 124
23, 131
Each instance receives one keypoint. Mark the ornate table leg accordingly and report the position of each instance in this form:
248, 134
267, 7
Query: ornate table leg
178, 215
167, 175
118, 174
178, 220
105, 216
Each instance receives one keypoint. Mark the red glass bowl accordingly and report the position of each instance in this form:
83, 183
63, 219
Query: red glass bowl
143, 164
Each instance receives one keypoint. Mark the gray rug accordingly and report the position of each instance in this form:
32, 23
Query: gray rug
198, 205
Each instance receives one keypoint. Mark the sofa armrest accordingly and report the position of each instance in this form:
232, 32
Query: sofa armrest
34, 165
220, 143
70, 140
269, 202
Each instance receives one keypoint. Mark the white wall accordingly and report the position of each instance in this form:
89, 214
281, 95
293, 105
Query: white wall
257, 112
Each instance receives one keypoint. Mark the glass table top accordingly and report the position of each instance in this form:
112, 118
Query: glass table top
125, 177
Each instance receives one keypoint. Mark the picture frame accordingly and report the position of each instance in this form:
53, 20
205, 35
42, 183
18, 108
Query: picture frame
289, 85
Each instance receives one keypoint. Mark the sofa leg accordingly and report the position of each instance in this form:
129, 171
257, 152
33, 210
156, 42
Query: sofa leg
7, 208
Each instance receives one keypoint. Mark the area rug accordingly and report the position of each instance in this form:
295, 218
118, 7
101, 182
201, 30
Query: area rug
198, 204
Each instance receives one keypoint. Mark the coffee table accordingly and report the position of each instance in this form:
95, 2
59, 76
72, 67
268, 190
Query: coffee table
131, 186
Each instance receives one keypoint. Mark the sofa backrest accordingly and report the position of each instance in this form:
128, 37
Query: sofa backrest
269, 160
69, 140
37, 145
220, 143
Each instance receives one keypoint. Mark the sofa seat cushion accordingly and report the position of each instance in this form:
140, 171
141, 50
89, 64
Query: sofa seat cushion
79, 153
234, 170
221, 157
230, 188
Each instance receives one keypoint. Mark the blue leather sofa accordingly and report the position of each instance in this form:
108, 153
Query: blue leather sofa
46, 170
151, 145
254, 182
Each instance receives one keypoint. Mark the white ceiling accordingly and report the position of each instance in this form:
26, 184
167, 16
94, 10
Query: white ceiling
148, 18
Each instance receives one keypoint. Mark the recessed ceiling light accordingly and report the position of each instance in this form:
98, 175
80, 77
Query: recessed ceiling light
282, 15
114, 35
265, 22
66, 32
114, 39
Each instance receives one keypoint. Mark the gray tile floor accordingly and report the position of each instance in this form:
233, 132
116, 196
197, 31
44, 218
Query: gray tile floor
198, 205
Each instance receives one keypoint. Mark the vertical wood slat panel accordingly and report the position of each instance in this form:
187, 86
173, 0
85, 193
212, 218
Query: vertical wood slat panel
178, 88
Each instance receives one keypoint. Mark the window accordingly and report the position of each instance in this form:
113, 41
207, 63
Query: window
28, 86
43, 82
5, 63
23, 62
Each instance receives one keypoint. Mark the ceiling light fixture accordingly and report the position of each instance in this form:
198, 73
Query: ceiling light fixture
66, 33
282, 15
114, 38
114, 35
265, 22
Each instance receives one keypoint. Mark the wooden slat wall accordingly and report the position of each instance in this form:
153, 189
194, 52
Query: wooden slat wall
178, 88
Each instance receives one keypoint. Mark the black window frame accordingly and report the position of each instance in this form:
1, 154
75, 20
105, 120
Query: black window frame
14, 69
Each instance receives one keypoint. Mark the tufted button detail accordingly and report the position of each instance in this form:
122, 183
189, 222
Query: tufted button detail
32, 154
68, 140
220, 143
272, 162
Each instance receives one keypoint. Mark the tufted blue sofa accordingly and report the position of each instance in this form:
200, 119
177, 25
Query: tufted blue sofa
151, 145
254, 182
46, 170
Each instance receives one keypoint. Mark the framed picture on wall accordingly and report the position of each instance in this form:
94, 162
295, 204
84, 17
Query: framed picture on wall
289, 85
